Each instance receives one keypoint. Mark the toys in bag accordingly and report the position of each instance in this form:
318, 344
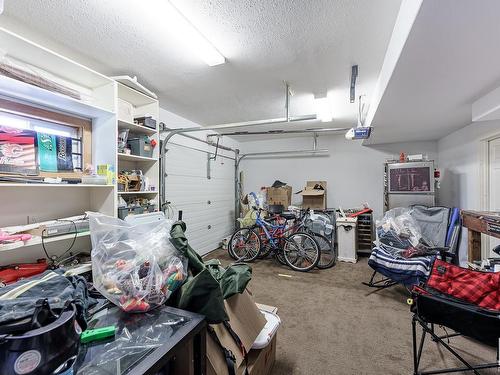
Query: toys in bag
135, 266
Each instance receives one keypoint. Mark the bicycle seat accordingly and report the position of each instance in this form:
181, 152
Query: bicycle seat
275, 209
288, 215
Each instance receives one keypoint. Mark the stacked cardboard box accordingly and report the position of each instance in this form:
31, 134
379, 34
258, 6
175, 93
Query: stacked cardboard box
279, 195
246, 321
314, 198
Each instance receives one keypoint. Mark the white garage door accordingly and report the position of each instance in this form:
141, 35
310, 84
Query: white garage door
207, 204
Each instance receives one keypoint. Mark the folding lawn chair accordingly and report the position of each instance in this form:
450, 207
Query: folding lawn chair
466, 301
440, 225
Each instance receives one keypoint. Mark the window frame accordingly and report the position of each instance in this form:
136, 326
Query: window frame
83, 125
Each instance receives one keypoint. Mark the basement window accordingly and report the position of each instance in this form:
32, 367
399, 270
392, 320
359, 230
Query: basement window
38, 142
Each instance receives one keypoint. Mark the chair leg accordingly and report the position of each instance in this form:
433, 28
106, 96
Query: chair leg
380, 284
417, 356
414, 336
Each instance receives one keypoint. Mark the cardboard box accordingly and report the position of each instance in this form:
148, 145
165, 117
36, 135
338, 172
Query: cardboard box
271, 309
246, 320
314, 198
281, 195
261, 361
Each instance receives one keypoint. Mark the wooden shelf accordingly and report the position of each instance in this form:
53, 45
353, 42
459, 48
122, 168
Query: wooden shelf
134, 128
135, 158
37, 185
38, 241
137, 193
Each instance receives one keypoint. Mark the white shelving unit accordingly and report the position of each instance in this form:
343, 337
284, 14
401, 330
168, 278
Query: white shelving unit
54, 186
28, 203
136, 158
137, 193
38, 241
135, 128
143, 105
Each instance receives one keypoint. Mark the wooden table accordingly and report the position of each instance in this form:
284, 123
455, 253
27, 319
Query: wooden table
478, 222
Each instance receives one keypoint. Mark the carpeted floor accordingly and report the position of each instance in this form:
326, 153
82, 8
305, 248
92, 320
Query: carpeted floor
332, 324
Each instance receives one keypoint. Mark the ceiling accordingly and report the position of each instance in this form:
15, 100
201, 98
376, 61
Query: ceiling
311, 44
450, 59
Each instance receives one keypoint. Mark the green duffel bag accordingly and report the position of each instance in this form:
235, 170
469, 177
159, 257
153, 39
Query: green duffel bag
209, 284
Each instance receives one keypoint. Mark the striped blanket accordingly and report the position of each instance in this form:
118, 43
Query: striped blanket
409, 271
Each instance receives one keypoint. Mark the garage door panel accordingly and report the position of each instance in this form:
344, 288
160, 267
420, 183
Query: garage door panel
188, 189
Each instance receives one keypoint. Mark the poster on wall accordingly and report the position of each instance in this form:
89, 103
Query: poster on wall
404, 179
54, 153
18, 151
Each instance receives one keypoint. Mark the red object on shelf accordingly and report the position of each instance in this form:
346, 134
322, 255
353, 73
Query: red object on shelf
365, 211
13, 272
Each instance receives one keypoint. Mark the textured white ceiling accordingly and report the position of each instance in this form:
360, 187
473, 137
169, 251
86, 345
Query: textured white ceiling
451, 58
312, 44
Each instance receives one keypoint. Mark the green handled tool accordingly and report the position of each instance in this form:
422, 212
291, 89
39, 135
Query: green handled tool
90, 335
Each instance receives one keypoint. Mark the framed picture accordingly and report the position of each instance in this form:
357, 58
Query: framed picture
411, 178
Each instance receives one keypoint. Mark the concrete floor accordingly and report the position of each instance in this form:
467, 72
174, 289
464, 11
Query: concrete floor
332, 324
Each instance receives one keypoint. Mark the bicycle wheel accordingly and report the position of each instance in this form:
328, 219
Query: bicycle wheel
328, 256
301, 252
280, 257
265, 250
244, 245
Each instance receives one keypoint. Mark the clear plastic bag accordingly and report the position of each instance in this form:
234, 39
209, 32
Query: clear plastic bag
134, 266
398, 221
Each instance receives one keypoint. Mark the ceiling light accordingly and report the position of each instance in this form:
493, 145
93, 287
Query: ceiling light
192, 37
324, 109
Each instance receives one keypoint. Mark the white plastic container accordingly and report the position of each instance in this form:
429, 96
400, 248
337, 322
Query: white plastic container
269, 330
347, 239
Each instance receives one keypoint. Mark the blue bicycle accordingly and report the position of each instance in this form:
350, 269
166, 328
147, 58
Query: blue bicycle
298, 250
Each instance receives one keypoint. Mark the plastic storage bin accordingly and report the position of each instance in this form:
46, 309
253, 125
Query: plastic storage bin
273, 322
141, 147
347, 239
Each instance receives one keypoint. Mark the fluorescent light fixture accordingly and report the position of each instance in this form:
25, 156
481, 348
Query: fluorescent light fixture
192, 37
1, 6
324, 109
13, 122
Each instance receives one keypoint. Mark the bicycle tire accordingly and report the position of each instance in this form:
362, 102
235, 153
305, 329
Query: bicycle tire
306, 243
328, 255
265, 250
229, 247
247, 255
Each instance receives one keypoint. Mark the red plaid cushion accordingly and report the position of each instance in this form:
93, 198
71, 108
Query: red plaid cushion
479, 288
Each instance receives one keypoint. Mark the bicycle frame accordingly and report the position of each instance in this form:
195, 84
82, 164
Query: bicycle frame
271, 234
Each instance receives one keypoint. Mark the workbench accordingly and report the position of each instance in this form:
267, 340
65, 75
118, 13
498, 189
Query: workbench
164, 340
478, 222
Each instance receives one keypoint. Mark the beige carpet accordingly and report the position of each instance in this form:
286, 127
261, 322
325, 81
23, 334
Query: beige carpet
332, 324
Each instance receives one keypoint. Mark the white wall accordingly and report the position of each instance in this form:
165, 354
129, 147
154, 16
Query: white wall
459, 161
460, 164
354, 173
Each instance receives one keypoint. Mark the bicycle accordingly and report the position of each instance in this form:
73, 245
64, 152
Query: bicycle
298, 250
327, 246
302, 222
